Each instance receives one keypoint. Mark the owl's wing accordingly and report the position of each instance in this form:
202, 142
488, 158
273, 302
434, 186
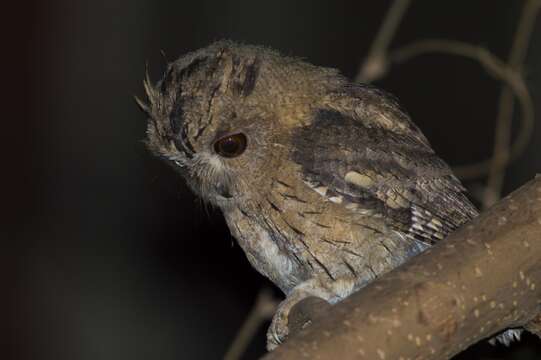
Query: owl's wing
394, 173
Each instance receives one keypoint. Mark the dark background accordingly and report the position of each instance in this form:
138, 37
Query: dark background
107, 255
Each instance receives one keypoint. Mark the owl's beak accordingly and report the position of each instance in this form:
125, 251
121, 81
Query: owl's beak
223, 191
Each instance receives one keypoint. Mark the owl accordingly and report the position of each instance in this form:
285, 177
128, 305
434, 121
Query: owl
324, 183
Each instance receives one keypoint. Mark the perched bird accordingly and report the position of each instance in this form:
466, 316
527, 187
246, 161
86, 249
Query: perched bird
325, 183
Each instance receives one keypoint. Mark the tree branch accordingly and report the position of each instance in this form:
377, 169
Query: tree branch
482, 279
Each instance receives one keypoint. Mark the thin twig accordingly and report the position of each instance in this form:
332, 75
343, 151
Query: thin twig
375, 64
506, 104
263, 310
494, 67
379, 60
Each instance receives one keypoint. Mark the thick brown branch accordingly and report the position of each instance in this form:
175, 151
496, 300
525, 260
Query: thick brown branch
484, 278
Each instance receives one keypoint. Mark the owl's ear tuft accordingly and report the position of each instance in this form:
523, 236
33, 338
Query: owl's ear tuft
150, 91
143, 106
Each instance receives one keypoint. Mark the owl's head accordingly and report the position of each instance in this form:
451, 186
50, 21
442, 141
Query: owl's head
222, 116
228, 117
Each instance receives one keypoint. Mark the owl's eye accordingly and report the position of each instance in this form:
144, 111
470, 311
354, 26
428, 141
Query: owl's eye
231, 145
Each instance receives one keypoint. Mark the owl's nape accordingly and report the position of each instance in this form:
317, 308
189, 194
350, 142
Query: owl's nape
325, 184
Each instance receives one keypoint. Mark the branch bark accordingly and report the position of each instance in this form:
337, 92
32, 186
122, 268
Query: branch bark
482, 279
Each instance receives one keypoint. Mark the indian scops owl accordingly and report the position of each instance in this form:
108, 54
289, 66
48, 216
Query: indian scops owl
324, 183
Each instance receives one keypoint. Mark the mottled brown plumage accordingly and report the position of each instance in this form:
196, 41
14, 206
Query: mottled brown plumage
324, 183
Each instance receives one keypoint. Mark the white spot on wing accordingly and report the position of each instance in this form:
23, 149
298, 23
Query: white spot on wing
358, 179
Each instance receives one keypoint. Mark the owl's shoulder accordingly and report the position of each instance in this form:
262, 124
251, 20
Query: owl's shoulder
394, 174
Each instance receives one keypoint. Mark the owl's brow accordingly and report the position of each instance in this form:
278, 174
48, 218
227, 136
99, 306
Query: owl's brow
172, 83
209, 112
